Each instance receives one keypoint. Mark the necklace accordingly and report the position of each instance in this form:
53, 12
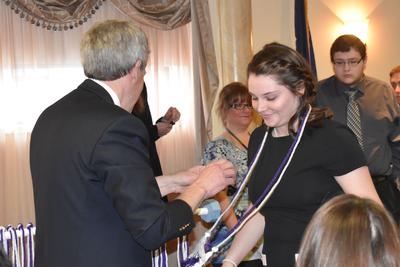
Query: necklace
236, 138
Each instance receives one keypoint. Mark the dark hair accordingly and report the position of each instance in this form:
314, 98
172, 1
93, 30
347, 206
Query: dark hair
345, 42
140, 105
291, 70
350, 231
394, 70
232, 93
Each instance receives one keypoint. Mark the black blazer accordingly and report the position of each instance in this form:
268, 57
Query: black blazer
96, 200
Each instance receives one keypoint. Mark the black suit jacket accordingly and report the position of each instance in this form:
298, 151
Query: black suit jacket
96, 200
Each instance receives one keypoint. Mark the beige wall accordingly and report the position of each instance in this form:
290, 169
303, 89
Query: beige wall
272, 21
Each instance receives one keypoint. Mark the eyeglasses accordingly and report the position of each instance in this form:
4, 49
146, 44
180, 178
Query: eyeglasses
241, 106
395, 84
351, 63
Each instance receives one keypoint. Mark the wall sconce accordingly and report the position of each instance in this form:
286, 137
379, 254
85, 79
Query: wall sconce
353, 14
358, 28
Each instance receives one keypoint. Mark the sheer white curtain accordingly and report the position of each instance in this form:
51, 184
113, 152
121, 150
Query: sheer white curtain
38, 66
174, 82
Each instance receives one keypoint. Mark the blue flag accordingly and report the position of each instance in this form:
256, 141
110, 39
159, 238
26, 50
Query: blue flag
303, 35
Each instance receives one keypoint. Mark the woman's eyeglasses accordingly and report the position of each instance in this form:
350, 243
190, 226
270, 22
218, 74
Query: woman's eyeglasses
241, 106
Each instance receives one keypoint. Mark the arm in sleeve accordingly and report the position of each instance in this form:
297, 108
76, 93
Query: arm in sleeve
121, 161
394, 139
342, 153
153, 131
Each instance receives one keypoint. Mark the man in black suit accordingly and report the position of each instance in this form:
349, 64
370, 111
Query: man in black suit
96, 200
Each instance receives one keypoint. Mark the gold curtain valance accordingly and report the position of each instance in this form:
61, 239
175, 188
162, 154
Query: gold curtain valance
57, 15
159, 14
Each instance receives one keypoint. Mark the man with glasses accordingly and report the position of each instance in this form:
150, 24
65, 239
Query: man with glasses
395, 81
368, 107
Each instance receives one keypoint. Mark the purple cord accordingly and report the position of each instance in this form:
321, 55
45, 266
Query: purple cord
21, 228
209, 245
29, 227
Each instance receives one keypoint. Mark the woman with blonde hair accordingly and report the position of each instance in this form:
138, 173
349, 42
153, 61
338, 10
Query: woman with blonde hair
350, 231
237, 115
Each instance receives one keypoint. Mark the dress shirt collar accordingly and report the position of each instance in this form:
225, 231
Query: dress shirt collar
110, 91
342, 88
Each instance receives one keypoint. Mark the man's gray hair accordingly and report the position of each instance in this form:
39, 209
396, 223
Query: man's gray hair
111, 48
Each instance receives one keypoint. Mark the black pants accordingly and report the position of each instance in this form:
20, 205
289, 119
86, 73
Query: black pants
389, 195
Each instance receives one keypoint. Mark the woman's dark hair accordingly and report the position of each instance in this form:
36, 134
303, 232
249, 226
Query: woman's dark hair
232, 93
291, 70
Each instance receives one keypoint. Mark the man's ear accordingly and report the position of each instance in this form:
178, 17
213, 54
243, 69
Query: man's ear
136, 69
138, 64
365, 63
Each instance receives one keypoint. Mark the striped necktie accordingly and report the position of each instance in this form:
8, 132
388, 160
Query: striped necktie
353, 117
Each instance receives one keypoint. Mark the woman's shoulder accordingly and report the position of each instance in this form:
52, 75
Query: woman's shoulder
220, 141
256, 139
219, 144
330, 127
259, 132
218, 148
333, 134
335, 147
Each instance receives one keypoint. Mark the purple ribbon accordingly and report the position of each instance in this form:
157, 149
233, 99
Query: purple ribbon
209, 244
30, 242
160, 257
20, 227
271, 183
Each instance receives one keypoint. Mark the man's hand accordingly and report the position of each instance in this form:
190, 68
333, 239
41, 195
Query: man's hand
186, 178
172, 115
212, 179
215, 177
164, 126
194, 175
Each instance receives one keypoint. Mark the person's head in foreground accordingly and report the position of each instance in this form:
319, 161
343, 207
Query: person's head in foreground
350, 231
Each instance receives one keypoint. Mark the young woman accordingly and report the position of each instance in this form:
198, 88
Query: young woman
301, 167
